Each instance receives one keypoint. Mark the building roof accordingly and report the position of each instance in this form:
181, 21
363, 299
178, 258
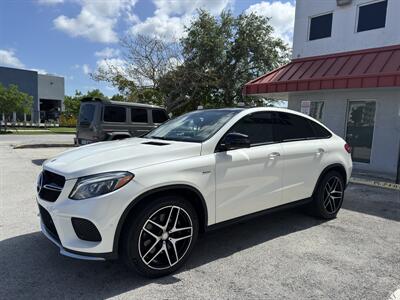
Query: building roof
370, 68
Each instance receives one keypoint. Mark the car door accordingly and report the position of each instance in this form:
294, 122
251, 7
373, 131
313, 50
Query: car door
249, 179
302, 156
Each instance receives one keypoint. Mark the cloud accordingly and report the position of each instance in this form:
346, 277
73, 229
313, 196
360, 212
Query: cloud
8, 58
281, 14
50, 2
112, 63
86, 69
171, 16
96, 20
107, 52
40, 71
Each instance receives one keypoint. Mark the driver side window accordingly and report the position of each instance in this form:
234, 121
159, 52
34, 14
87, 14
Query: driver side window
257, 126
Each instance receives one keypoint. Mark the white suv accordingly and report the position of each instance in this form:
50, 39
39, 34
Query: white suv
147, 199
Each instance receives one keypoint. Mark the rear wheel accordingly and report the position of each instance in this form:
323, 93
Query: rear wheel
328, 198
161, 237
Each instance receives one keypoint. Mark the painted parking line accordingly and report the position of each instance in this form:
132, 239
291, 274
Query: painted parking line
382, 184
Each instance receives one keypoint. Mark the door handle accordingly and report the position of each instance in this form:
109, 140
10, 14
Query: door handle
320, 151
274, 155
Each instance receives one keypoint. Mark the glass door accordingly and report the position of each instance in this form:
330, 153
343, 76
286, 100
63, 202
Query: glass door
360, 129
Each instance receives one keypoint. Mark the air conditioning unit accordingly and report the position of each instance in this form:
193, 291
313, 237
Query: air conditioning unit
343, 2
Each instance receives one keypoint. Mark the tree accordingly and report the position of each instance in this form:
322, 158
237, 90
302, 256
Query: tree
220, 55
208, 67
137, 75
13, 100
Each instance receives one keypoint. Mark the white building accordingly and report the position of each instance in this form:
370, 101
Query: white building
345, 71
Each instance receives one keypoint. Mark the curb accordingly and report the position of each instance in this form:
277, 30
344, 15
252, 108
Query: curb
376, 183
34, 146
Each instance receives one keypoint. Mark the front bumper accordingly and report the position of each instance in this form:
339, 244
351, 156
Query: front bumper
64, 251
104, 212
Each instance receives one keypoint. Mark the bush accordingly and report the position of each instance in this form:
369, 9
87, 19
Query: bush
67, 120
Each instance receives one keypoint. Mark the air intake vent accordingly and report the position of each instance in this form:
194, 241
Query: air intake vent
343, 2
155, 143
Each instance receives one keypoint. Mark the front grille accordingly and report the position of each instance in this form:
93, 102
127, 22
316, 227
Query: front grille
48, 222
50, 186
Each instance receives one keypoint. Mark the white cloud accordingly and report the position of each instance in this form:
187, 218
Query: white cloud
86, 69
281, 14
171, 16
50, 2
96, 20
8, 58
111, 63
40, 71
107, 52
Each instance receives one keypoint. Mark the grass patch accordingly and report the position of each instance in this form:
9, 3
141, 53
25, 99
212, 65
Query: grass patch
39, 131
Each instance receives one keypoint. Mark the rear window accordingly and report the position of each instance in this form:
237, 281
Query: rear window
159, 116
139, 115
86, 114
319, 131
292, 127
114, 114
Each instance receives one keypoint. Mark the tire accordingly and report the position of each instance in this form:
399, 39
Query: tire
328, 197
152, 251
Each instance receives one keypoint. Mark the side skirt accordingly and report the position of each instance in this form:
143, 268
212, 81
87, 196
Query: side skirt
258, 213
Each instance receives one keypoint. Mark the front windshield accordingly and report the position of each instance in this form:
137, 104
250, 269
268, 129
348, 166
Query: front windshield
195, 126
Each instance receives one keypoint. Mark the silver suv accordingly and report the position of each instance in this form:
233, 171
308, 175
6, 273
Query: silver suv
104, 120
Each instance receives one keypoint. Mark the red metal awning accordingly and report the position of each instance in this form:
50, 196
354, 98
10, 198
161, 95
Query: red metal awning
370, 68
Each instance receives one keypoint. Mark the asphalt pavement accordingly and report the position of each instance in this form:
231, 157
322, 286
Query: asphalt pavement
284, 255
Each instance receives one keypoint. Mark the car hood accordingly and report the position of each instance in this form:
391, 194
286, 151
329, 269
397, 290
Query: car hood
121, 155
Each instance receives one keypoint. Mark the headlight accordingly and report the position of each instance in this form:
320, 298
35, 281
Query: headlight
100, 184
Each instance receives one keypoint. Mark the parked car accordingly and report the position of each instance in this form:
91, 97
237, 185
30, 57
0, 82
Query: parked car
147, 199
103, 120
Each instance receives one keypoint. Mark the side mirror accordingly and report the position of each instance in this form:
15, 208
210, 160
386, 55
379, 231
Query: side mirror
234, 141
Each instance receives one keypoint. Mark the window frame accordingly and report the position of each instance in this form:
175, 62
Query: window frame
112, 105
309, 26
358, 14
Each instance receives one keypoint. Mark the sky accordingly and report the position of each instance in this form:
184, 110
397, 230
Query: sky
71, 38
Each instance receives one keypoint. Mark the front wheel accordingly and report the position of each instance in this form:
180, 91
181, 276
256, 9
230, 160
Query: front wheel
161, 237
328, 198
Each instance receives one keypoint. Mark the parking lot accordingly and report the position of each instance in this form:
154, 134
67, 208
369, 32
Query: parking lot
284, 255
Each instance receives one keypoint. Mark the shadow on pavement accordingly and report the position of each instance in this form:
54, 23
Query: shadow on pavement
32, 267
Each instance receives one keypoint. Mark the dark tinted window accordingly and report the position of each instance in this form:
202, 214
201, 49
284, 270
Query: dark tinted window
258, 127
319, 131
321, 27
86, 114
139, 115
372, 16
114, 114
159, 116
293, 127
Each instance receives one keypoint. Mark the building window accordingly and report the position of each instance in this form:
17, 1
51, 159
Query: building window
372, 16
313, 109
360, 129
320, 27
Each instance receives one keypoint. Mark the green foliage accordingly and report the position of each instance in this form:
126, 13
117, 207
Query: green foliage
13, 100
220, 56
